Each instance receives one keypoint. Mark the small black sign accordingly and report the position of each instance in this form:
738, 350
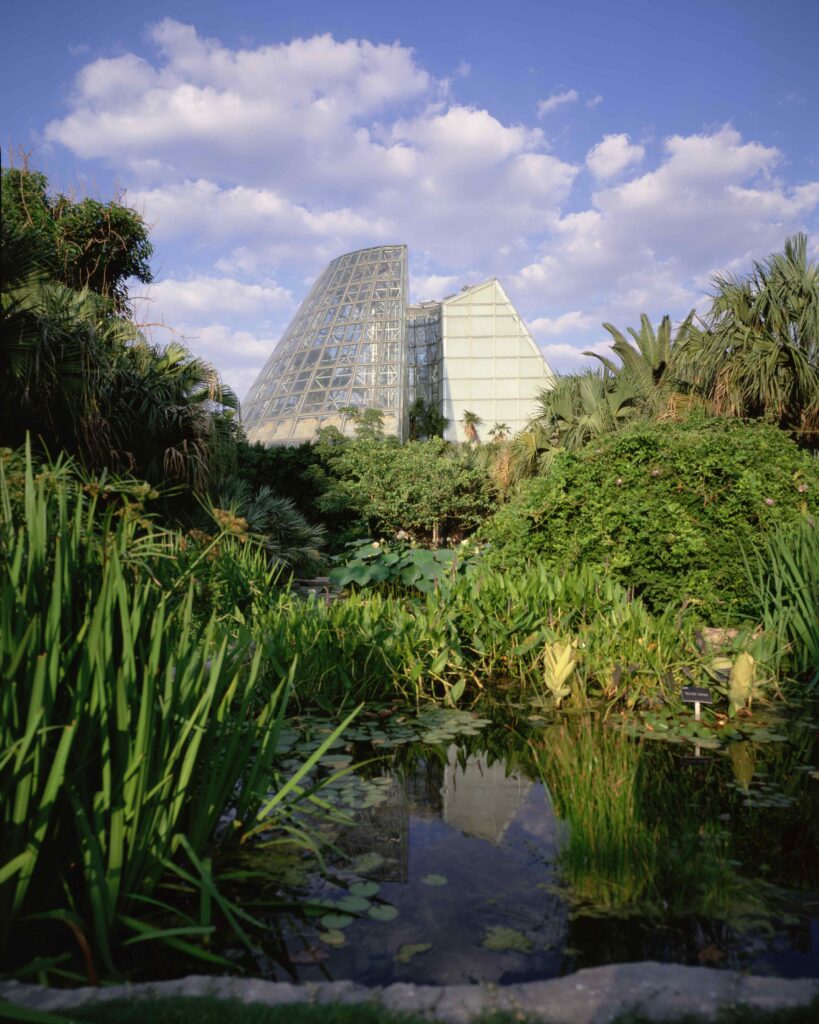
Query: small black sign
696, 695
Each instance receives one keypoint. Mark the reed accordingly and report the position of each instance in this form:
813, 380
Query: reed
637, 840
127, 724
784, 576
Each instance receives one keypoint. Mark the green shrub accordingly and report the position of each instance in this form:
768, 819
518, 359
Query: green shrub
665, 509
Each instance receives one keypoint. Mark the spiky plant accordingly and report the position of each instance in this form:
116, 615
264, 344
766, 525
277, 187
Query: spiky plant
757, 354
648, 361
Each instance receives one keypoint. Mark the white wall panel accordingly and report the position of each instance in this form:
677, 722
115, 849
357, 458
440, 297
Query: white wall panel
506, 370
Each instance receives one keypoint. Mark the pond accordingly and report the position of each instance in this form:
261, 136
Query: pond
453, 865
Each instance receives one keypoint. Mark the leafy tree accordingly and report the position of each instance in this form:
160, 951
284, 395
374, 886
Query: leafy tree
757, 354
499, 431
368, 422
423, 488
85, 244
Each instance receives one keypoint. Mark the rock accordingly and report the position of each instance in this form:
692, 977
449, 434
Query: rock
593, 996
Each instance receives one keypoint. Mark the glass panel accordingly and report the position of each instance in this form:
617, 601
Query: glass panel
345, 345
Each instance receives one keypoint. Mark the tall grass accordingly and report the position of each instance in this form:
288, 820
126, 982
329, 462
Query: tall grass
127, 724
784, 574
636, 841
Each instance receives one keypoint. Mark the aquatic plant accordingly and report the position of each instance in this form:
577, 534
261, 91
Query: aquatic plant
634, 842
127, 727
784, 575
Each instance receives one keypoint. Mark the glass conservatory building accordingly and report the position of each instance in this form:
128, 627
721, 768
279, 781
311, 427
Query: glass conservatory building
355, 343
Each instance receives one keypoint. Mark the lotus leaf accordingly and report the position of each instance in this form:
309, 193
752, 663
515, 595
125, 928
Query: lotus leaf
364, 889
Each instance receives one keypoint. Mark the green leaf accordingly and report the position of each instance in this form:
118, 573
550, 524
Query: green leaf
383, 912
364, 889
410, 950
334, 922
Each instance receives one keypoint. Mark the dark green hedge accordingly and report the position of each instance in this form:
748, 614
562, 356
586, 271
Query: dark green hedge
666, 509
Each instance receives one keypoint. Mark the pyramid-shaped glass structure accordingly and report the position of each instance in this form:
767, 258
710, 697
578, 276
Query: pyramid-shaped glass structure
355, 344
345, 347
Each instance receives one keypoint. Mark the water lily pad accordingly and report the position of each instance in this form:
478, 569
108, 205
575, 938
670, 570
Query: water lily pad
410, 950
334, 922
434, 880
383, 912
367, 862
333, 937
364, 889
356, 904
336, 761
503, 940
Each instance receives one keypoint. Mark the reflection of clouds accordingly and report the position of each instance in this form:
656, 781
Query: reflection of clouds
536, 817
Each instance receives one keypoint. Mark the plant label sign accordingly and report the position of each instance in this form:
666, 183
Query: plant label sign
696, 695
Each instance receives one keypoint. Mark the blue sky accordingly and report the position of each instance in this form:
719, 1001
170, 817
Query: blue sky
601, 159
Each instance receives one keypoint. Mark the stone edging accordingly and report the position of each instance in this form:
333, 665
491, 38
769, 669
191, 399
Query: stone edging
592, 996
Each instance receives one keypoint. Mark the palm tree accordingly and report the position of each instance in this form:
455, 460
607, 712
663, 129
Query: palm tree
287, 536
470, 421
499, 431
581, 406
648, 362
168, 414
531, 450
758, 352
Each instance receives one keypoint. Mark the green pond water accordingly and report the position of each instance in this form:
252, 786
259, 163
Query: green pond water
447, 856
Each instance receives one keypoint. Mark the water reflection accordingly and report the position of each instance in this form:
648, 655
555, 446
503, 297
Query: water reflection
464, 871
463, 849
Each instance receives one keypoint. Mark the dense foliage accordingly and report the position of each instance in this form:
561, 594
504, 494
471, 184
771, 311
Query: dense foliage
131, 715
84, 244
427, 489
668, 510
79, 377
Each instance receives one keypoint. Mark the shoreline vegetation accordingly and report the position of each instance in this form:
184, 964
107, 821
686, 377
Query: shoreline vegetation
655, 528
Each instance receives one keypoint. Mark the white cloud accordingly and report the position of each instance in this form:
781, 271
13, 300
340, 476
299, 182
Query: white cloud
238, 354
434, 286
288, 154
595, 101
200, 299
258, 165
651, 243
567, 323
556, 100
612, 155
711, 199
